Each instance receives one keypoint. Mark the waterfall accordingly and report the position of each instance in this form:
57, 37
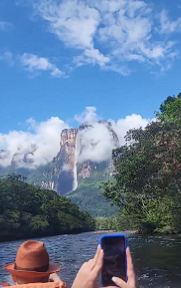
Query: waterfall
75, 183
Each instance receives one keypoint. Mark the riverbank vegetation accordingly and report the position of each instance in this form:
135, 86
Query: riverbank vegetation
26, 211
146, 185
115, 223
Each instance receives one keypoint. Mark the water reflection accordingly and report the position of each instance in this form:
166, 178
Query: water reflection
157, 259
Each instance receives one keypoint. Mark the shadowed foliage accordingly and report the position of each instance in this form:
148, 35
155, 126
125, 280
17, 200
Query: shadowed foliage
146, 184
26, 211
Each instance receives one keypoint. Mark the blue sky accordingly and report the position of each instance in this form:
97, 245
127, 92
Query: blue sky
25, 33
58, 57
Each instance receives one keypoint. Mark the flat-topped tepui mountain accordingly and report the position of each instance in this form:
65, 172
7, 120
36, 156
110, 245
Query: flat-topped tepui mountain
78, 168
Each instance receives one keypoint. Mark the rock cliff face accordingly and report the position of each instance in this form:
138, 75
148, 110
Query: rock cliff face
83, 161
66, 156
65, 173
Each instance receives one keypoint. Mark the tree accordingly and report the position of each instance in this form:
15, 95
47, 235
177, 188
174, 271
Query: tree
170, 99
171, 110
146, 184
28, 211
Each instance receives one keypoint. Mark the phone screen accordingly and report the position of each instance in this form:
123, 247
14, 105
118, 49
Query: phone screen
114, 259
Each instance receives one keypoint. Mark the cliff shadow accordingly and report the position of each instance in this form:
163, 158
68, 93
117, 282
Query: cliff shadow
65, 182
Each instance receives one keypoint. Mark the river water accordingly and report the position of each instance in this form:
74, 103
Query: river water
157, 259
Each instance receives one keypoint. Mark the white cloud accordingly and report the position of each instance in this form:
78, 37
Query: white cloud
96, 143
129, 122
91, 56
72, 21
41, 142
32, 148
33, 63
167, 26
89, 115
5, 26
112, 33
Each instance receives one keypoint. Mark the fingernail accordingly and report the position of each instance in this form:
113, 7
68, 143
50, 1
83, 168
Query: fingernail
114, 279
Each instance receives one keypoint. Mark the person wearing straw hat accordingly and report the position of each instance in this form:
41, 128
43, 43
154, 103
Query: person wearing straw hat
32, 265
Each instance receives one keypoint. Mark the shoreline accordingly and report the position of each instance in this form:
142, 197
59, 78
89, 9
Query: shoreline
95, 232
129, 232
113, 231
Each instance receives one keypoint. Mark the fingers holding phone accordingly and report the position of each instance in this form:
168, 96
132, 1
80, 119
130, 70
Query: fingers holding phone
117, 267
131, 279
89, 272
115, 260
116, 270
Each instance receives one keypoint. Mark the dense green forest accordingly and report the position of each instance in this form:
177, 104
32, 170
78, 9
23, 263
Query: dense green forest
146, 185
26, 211
89, 198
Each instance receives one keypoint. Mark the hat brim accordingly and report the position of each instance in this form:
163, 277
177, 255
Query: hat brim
53, 268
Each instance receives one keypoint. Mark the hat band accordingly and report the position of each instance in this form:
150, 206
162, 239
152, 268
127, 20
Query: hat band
36, 269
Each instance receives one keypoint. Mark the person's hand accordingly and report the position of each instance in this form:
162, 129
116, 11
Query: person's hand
54, 278
89, 272
131, 283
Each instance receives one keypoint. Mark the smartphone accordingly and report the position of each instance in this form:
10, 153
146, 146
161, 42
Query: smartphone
115, 261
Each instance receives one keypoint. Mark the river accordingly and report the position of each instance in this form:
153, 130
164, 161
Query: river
157, 259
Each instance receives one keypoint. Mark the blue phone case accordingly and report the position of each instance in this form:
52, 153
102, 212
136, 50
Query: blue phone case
125, 239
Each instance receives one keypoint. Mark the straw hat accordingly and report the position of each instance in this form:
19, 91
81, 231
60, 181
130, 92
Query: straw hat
32, 260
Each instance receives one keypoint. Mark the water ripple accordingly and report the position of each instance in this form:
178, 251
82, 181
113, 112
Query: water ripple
157, 259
